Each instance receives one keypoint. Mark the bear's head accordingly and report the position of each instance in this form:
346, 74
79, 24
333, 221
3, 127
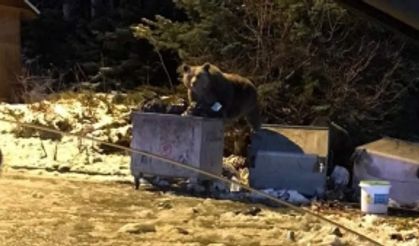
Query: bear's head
197, 78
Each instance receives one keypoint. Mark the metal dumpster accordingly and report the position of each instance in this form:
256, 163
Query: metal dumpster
393, 160
290, 157
190, 140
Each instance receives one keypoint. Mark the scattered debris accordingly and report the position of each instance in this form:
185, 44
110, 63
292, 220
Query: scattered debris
232, 164
219, 187
340, 177
252, 211
164, 205
235, 187
195, 188
290, 196
396, 236
138, 228
165, 104
182, 231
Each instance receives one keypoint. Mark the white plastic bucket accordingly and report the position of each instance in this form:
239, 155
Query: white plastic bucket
374, 196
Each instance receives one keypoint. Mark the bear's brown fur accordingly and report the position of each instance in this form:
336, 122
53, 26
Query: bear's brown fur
207, 85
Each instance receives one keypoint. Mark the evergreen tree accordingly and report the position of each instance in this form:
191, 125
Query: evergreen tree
308, 58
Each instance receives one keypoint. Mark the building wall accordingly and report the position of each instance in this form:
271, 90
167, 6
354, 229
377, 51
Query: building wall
10, 63
406, 11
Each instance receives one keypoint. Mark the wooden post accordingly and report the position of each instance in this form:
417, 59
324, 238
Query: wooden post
10, 64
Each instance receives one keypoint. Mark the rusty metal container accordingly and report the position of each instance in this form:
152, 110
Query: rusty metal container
194, 141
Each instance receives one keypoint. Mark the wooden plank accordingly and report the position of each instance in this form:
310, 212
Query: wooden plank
10, 64
12, 3
27, 9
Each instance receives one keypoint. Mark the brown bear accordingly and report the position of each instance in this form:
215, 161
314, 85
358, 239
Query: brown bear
214, 93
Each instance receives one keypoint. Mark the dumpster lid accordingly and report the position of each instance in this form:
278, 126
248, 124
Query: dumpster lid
310, 139
394, 148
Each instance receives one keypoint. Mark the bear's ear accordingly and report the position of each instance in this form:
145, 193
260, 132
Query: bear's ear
186, 68
207, 66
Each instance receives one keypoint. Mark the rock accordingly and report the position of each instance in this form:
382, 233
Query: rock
137, 228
